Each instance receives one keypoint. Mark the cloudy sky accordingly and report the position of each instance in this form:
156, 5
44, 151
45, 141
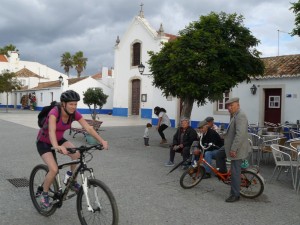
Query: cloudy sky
43, 30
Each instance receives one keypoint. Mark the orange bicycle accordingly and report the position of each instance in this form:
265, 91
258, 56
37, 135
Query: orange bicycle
252, 183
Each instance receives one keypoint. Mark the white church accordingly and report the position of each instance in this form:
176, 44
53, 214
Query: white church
273, 97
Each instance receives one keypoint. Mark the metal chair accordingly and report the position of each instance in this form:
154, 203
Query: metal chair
296, 146
256, 144
283, 159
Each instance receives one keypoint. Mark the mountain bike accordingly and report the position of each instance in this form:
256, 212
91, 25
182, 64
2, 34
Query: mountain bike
95, 201
252, 183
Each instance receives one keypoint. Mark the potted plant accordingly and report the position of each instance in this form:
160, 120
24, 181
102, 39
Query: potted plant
94, 98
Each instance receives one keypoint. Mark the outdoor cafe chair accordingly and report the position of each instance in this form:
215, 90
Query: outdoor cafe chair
296, 146
283, 159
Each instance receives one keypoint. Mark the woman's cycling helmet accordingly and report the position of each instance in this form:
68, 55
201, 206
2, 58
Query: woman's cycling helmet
69, 96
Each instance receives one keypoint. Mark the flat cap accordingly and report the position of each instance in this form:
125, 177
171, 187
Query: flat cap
209, 119
184, 118
202, 123
231, 100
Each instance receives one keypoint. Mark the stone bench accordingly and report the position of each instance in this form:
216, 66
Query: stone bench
79, 130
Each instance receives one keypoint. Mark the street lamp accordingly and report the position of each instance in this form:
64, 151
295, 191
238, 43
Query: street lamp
253, 89
61, 80
141, 68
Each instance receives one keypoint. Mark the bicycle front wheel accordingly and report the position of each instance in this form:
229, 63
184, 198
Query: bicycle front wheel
104, 208
36, 181
251, 184
191, 177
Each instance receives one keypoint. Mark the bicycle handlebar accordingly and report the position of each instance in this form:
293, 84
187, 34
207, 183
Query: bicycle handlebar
209, 144
83, 148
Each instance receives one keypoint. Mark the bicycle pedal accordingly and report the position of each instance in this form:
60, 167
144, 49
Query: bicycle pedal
71, 195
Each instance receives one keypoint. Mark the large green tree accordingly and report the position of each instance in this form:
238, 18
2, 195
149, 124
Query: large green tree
7, 48
66, 62
209, 57
79, 61
8, 83
296, 9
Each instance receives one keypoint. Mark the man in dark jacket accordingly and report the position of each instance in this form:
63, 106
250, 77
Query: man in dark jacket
182, 141
209, 136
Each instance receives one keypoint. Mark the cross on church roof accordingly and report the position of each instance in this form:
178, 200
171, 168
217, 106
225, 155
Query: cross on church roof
141, 11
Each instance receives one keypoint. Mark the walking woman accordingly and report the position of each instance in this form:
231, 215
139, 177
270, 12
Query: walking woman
163, 122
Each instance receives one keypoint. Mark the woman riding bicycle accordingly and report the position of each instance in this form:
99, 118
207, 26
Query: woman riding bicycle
58, 121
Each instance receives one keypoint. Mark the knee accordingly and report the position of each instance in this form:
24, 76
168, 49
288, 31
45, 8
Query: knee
53, 170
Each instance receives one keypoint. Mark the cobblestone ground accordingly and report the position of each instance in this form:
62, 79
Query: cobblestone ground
144, 192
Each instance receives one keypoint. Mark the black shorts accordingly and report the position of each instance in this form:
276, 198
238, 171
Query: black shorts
43, 147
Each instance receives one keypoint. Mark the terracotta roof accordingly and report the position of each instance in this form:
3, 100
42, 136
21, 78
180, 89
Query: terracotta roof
99, 75
75, 80
3, 58
26, 73
49, 84
171, 36
281, 66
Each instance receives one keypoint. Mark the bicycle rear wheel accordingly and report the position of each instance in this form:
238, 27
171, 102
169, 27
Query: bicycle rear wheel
251, 184
191, 177
36, 181
103, 203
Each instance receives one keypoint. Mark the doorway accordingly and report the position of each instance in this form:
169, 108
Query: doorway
273, 102
135, 97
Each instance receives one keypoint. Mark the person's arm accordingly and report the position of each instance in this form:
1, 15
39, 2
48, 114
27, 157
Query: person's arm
159, 122
92, 132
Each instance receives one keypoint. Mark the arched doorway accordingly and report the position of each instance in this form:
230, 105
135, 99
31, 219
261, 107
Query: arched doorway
135, 97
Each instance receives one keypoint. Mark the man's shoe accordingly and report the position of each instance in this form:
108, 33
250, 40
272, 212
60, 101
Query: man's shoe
169, 163
206, 176
232, 198
163, 141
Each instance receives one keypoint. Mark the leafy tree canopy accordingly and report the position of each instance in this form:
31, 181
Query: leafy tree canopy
94, 98
209, 57
8, 82
296, 9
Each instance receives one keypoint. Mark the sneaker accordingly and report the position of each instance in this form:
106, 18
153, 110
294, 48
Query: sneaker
169, 163
164, 141
206, 176
185, 167
44, 201
75, 186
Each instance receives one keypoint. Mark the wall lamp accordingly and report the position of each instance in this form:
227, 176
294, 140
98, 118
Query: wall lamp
141, 68
61, 79
253, 89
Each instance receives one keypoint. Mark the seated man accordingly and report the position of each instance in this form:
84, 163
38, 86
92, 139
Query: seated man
209, 136
182, 141
210, 122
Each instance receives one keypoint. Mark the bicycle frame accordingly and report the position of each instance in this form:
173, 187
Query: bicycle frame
62, 195
222, 176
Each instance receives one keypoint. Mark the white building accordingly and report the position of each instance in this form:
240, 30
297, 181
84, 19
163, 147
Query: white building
276, 98
44, 83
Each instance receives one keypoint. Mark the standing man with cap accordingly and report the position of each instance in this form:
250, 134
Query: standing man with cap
182, 141
236, 145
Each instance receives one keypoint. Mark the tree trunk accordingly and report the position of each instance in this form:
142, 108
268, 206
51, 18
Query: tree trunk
6, 101
187, 107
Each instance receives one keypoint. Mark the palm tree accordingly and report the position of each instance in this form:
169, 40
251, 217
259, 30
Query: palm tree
79, 62
7, 48
67, 62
